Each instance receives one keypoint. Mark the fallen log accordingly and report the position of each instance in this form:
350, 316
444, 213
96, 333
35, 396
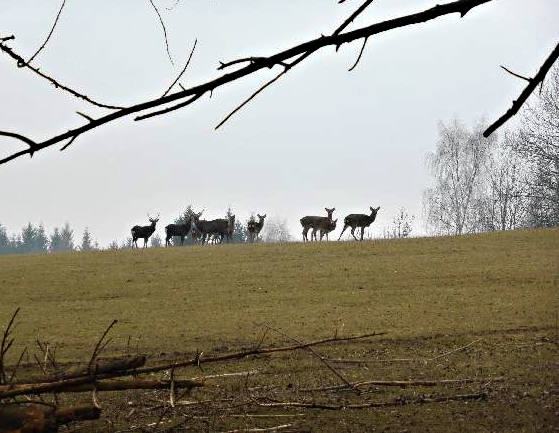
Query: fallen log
122, 385
25, 418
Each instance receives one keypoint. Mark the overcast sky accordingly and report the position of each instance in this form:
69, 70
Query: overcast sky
320, 137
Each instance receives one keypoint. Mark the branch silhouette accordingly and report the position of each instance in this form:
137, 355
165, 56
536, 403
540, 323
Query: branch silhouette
187, 96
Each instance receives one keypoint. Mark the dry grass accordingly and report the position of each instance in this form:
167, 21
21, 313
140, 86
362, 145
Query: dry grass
430, 295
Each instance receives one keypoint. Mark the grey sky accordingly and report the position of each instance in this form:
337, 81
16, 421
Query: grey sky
321, 136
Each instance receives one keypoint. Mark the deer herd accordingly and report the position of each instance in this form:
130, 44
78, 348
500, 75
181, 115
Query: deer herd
204, 231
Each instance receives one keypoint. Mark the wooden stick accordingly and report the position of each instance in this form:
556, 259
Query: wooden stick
406, 383
399, 401
251, 352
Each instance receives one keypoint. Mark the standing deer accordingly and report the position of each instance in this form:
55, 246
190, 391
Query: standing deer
143, 232
310, 222
355, 220
254, 228
179, 230
324, 227
220, 227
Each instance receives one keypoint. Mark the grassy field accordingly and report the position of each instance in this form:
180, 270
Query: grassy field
430, 295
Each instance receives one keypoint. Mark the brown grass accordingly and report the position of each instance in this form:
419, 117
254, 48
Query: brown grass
431, 295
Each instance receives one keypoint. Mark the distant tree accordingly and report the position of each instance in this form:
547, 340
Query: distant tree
67, 238
86, 241
33, 240
275, 230
156, 240
503, 203
113, 245
55, 244
185, 216
241, 233
5, 243
458, 165
400, 226
538, 143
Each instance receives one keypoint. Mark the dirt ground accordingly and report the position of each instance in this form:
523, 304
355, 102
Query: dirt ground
509, 384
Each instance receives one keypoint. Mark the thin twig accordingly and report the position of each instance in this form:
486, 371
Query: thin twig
164, 31
354, 15
183, 69
50, 33
516, 75
259, 90
97, 350
68, 144
24, 351
85, 116
5, 346
22, 63
315, 353
359, 56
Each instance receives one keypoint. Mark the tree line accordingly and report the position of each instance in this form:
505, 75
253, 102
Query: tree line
34, 239
498, 183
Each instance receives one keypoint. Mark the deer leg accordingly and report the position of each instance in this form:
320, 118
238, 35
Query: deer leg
313, 234
353, 233
305, 231
362, 231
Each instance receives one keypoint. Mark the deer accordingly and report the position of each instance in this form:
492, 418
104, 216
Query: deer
254, 228
324, 227
205, 229
310, 222
359, 220
143, 232
179, 230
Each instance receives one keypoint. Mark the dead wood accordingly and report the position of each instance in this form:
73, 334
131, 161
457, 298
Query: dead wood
102, 367
399, 401
407, 383
121, 385
251, 352
24, 418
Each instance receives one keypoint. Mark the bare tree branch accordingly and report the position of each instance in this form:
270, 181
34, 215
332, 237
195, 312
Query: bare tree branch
164, 31
460, 6
169, 109
50, 33
532, 84
516, 75
23, 64
183, 69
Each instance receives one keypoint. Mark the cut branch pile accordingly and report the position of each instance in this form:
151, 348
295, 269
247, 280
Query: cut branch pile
26, 406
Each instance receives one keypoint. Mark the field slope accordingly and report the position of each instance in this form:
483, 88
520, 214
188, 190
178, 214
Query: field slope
176, 297
429, 295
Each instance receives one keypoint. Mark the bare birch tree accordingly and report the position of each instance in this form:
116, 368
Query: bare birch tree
458, 165
538, 144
